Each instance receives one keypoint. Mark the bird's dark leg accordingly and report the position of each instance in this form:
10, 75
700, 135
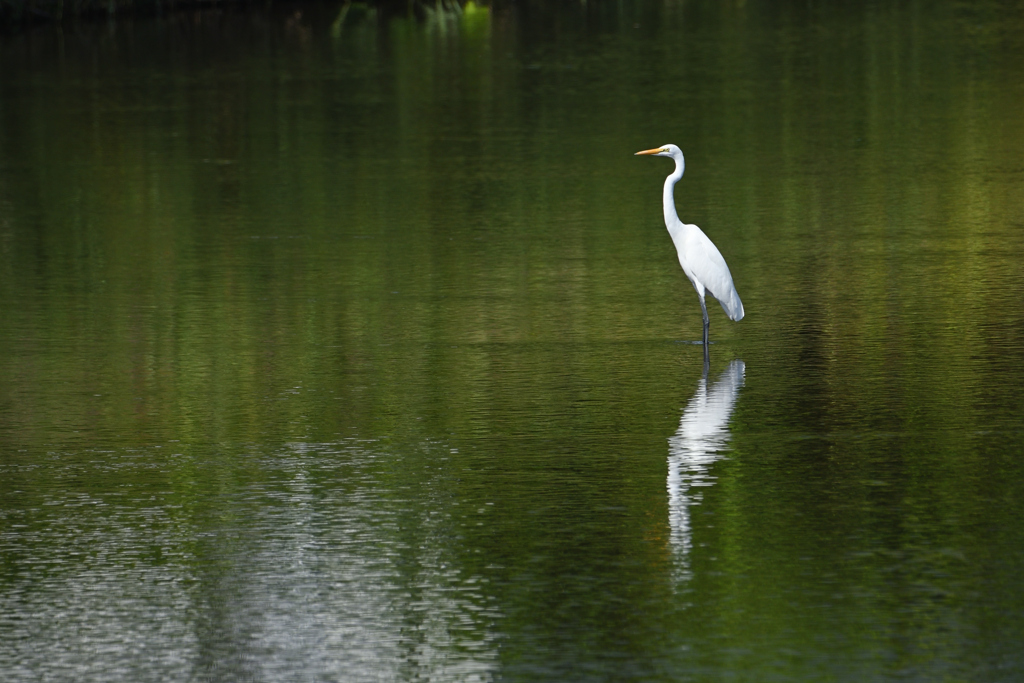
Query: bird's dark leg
707, 323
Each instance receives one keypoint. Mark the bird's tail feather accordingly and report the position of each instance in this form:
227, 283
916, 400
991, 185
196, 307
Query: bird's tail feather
732, 306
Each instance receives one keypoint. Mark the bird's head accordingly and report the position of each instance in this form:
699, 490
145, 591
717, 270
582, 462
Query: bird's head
664, 151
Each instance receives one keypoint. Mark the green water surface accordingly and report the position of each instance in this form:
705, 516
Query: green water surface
345, 344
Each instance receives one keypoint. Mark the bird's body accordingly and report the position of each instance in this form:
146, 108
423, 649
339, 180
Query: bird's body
703, 264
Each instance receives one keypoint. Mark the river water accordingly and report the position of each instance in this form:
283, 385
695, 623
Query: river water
343, 344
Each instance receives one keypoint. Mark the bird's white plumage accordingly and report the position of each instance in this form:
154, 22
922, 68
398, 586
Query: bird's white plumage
705, 267
700, 259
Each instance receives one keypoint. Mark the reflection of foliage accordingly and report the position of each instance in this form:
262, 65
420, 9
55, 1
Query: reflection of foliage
17, 11
473, 136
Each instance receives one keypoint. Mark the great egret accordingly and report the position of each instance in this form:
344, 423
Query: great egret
698, 255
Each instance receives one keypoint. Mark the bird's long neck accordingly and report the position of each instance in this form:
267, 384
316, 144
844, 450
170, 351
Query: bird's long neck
668, 200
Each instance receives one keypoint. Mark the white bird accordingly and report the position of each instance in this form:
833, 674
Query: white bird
698, 255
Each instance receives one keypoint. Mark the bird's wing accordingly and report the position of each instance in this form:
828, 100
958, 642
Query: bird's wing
707, 264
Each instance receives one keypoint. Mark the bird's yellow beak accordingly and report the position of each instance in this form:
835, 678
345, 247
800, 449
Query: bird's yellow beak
650, 151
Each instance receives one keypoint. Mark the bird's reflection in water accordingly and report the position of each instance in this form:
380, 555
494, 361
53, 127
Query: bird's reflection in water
703, 432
